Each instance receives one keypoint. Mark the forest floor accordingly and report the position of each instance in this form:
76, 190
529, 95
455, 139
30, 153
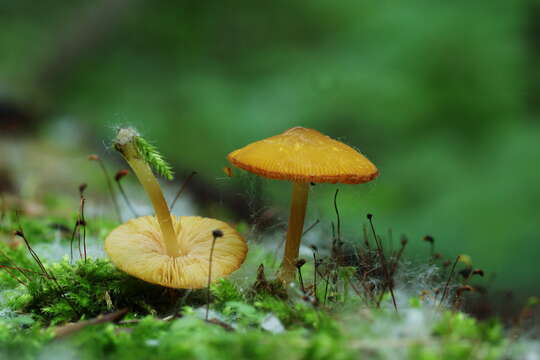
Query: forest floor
61, 298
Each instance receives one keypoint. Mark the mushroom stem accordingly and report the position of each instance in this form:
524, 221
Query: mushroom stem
294, 232
146, 177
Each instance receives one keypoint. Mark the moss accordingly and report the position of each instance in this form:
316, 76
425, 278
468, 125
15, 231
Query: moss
454, 336
224, 291
21, 338
87, 289
192, 338
458, 336
342, 328
292, 314
311, 333
38, 229
460, 326
13, 257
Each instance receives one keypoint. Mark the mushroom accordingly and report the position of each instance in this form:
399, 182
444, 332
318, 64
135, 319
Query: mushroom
302, 156
164, 249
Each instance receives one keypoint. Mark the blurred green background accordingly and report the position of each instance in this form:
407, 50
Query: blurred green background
442, 96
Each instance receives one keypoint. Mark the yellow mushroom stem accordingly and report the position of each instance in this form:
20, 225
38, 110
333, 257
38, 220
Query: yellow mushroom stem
294, 233
146, 177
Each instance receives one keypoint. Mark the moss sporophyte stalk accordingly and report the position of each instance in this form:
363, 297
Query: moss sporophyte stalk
165, 249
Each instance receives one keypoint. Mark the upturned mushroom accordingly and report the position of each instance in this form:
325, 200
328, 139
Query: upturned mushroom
302, 156
164, 249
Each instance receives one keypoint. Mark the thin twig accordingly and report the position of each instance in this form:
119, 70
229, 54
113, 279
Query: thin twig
48, 275
83, 225
301, 279
109, 184
82, 220
119, 176
404, 242
111, 190
182, 300
33, 253
215, 234
8, 270
365, 287
337, 215
23, 271
182, 188
366, 237
448, 280
310, 227
326, 288
388, 282
11, 262
75, 228
71, 328
79, 239
431, 242
315, 265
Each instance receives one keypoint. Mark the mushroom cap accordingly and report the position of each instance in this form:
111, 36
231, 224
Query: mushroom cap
305, 155
137, 248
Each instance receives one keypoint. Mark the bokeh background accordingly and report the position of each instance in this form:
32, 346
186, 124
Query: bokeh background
442, 96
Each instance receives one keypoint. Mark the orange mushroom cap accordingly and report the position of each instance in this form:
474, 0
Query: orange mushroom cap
305, 155
137, 248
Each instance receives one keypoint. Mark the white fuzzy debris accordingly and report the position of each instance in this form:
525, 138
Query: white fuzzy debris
184, 205
416, 323
59, 351
272, 324
152, 342
125, 135
412, 280
5, 312
532, 355
60, 249
525, 349
200, 312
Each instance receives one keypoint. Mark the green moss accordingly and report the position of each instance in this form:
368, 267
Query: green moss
38, 229
21, 338
292, 314
192, 338
224, 291
343, 328
457, 325
458, 336
87, 289
13, 257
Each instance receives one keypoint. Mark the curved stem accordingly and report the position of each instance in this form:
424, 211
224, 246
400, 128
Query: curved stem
294, 232
145, 175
